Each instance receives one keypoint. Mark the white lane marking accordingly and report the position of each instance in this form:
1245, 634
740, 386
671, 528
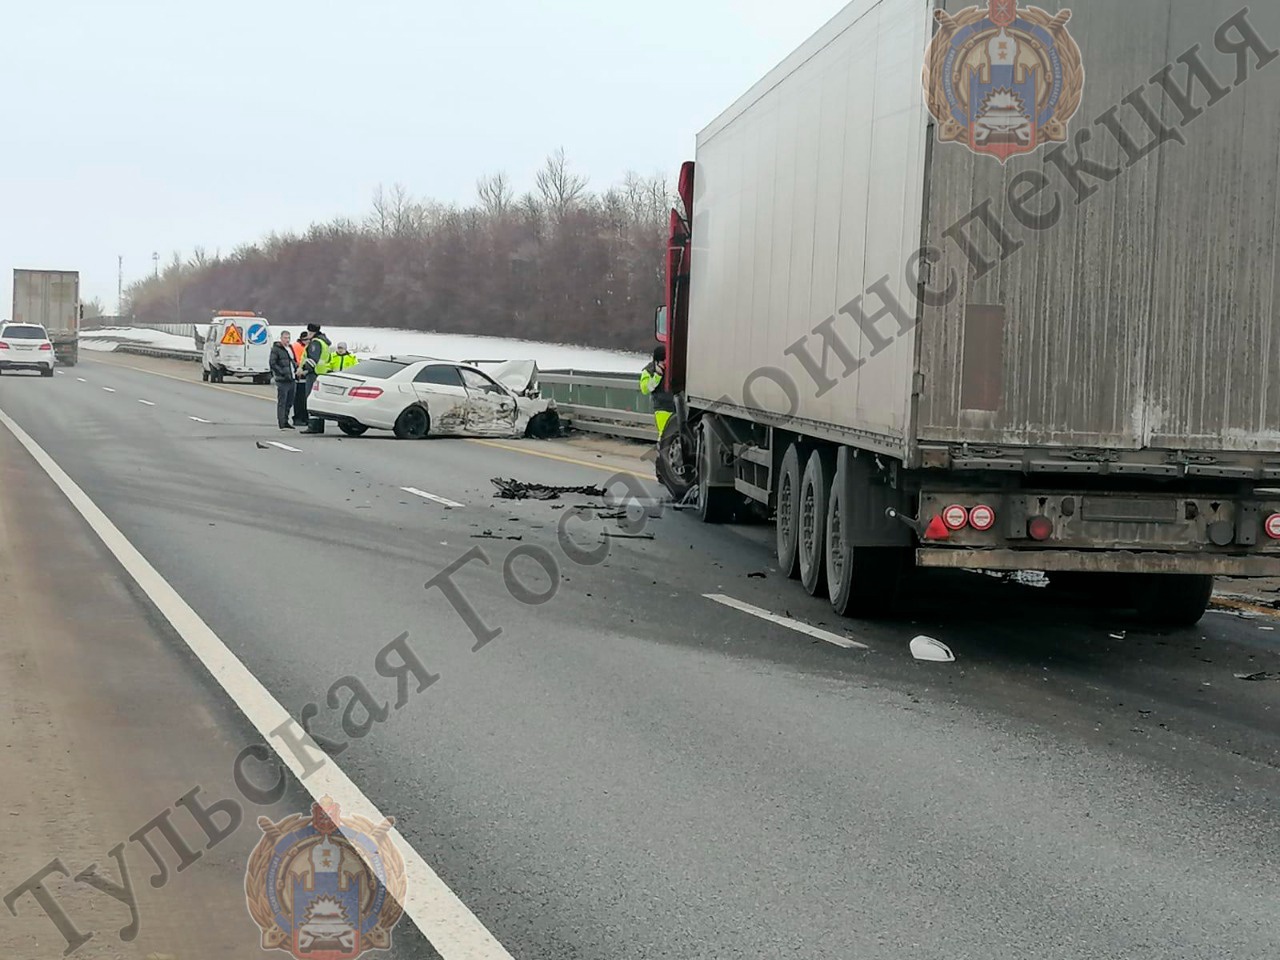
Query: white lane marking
147, 402
62, 373
109, 389
446, 922
199, 420
283, 446
796, 625
82, 379
444, 501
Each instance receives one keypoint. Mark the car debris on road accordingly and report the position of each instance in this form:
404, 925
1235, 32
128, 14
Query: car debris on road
934, 651
519, 490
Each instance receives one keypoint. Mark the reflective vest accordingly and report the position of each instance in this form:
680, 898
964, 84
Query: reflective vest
651, 387
339, 362
299, 351
326, 352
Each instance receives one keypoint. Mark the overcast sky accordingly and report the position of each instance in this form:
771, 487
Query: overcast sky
135, 126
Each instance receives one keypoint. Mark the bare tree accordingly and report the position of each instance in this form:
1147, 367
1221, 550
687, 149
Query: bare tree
495, 194
560, 189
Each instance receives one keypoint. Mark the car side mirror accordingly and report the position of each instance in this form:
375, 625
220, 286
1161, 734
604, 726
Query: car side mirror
660, 324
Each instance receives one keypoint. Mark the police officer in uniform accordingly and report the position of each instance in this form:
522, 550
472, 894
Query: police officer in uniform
316, 362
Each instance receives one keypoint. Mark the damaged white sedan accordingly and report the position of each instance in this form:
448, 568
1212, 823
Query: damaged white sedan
416, 397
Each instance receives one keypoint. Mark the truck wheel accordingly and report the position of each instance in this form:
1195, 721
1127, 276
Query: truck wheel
787, 514
412, 424
674, 469
715, 504
815, 489
1171, 600
862, 581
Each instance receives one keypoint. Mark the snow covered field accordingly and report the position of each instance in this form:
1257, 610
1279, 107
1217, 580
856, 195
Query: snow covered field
365, 341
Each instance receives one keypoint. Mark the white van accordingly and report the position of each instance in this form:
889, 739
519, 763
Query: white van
237, 344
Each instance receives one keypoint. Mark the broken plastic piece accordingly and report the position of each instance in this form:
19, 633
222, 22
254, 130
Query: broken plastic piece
1264, 675
927, 648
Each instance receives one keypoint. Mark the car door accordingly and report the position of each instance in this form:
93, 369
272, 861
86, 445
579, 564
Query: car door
440, 387
491, 409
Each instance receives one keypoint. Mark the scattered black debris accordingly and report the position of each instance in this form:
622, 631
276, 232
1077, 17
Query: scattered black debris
758, 575
261, 446
484, 536
616, 515
628, 536
515, 538
1258, 676
519, 490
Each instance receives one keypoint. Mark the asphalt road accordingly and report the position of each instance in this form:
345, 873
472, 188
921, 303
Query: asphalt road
631, 769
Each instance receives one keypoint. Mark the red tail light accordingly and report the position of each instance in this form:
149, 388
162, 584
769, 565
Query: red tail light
3, 345
955, 517
46, 346
1272, 526
982, 518
365, 393
1040, 528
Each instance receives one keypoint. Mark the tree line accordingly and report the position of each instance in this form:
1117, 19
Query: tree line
560, 263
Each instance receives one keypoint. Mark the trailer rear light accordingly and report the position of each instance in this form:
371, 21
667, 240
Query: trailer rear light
365, 393
955, 517
1273, 526
982, 518
1040, 528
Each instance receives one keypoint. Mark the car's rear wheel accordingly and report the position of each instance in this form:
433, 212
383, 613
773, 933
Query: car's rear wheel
46, 371
351, 428
412, 424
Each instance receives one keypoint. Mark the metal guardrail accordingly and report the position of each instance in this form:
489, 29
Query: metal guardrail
599, 402
593, 401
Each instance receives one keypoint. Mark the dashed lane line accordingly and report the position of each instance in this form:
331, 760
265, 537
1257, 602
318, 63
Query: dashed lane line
283, 446
796, 625
446, 922
147, 402
444, 501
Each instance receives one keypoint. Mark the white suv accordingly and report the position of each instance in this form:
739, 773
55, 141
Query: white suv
25, 346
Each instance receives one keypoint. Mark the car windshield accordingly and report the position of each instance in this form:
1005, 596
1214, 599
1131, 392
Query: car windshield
17, 332
376, 369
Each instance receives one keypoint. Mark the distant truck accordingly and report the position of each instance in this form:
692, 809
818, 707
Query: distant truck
51, 299
913, 334
236, 343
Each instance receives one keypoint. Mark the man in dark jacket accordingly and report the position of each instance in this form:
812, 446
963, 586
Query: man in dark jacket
317, 359
284, 371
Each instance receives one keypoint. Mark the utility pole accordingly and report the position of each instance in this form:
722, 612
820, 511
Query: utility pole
120, 285
155, 259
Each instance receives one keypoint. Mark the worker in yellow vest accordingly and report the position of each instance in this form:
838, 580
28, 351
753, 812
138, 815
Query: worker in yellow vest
341, 359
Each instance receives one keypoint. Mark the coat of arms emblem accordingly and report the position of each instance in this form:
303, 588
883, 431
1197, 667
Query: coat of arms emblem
1003, 79
325, 886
